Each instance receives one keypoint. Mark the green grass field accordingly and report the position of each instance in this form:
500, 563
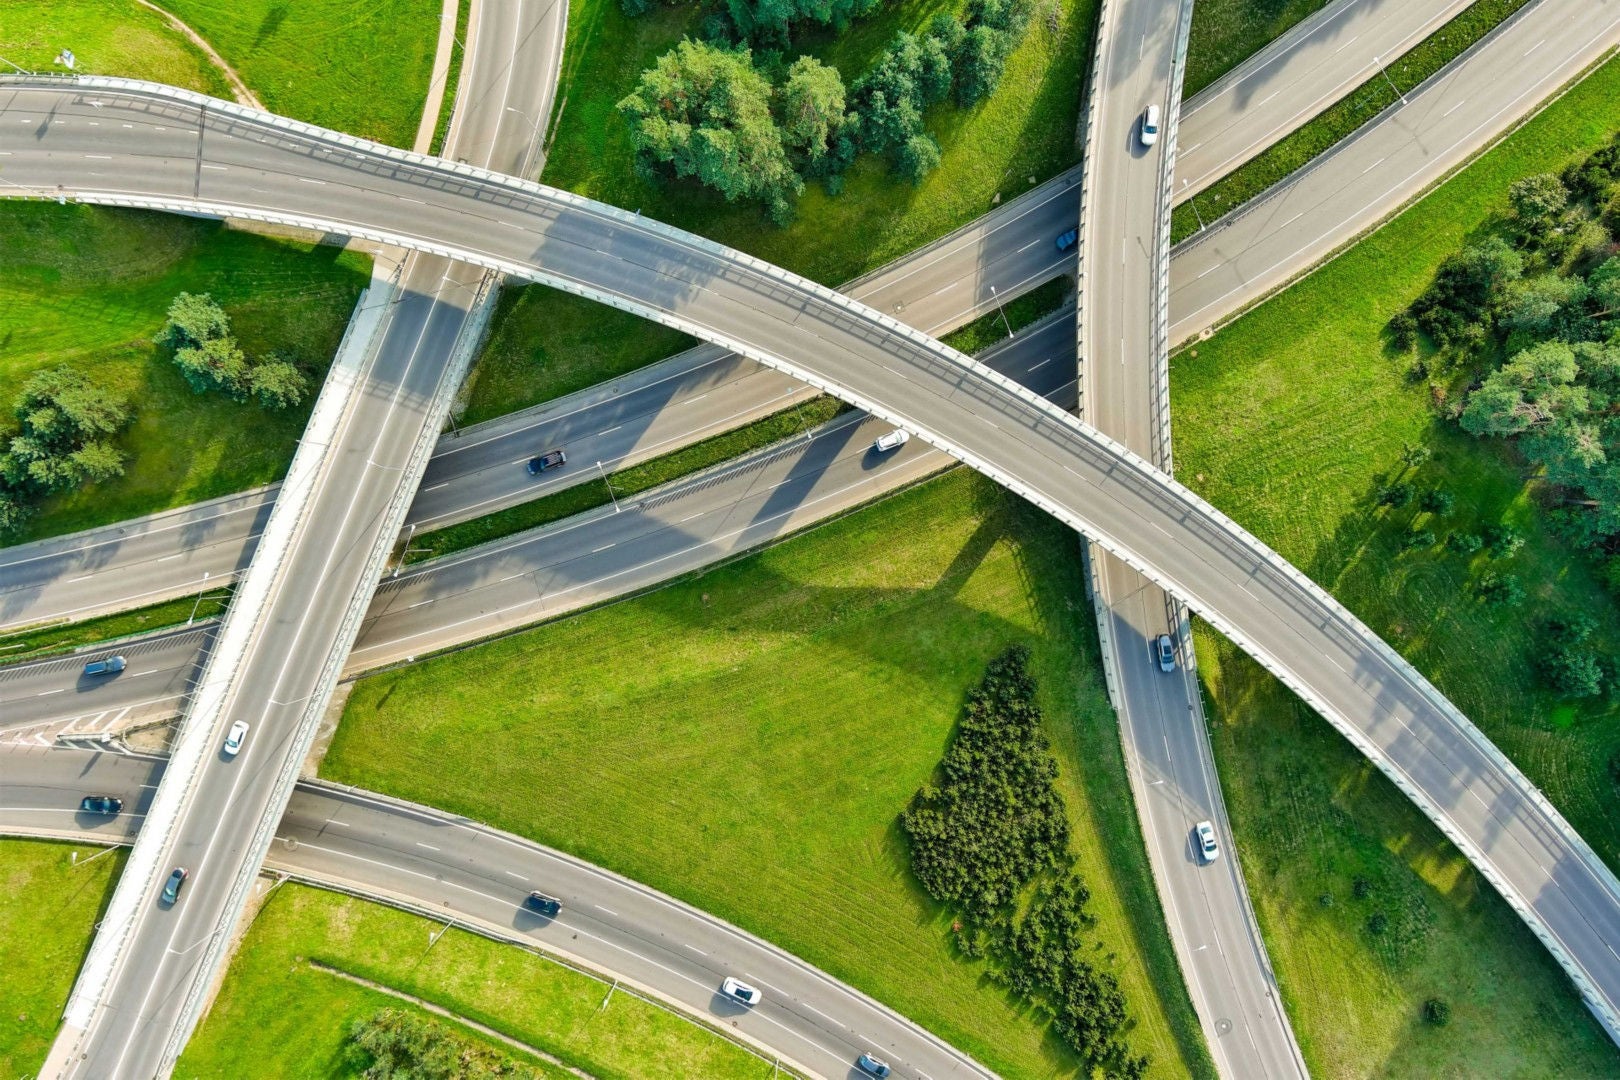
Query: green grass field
1340, 120
108, 37
88, 287
280, 1014
357, 67
1227, 32
48, 910
767, 722
1287, 420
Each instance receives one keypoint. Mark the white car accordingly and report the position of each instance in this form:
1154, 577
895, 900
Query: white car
1150, 125
894, 440
737, 990
1208, 849
233, 741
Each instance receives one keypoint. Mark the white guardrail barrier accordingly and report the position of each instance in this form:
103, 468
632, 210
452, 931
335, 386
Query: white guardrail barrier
1041, 410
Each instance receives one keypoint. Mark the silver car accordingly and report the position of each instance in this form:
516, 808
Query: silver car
1164, 647
1150, 125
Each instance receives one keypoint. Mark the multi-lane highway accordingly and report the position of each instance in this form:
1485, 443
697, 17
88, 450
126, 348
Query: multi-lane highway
1124, 391
708, 390
451, 867
587, 560
274, 662
1290, 625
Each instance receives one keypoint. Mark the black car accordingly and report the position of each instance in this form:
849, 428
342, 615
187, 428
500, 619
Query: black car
100, 804
551, 459
545, 905
171, 888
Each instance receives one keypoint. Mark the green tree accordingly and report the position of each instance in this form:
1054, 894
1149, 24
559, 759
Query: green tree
65, 425
1437, 501
1538, 201
705, 113
979, 63
812, 108
918, 158
215, 364
1530, 390
193, 319
277, 383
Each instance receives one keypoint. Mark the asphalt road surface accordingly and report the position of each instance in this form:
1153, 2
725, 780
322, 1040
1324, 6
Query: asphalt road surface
451, 867
1124, 384
708, 390
1287, 623
273, 663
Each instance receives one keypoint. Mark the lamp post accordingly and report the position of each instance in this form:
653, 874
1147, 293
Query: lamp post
1002, 310
1389, 80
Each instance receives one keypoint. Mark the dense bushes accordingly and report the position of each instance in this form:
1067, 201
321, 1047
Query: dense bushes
991, 839
704, 111
396, 1044
65, 424
1528, 318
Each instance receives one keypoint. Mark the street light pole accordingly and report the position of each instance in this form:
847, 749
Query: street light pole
1389, 80
200, 595
1001, 309
609, 485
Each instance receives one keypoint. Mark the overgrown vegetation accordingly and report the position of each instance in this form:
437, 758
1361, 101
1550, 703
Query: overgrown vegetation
1520, 340
1340, 120
705, 112
401, 1044
33, 643
991, 839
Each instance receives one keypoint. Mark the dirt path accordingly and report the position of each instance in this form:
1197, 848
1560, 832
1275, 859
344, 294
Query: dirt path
239, 88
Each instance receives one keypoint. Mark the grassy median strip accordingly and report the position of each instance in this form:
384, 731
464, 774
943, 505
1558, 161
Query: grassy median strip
1007, 319
1227, 32
298, 985
624, 483
452, 78
747, 738
51, 895
34, 643
1342, 119
1288, 420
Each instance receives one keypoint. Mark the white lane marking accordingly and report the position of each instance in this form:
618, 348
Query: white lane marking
1534, 47
1454, 108
604, 547
99, 157
335, 821
1373, 166
430, 847
48, 693
610, 911
311, 180
217, 168
1043, 363
695, 949
514, 873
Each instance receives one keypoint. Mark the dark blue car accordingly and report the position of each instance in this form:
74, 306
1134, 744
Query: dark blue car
1067, 241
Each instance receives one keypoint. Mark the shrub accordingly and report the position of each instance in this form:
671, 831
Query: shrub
1394, 495
1360, 888
1437, 501
1502, 540
1377, 923
63, 438
396, 1044
1417, 539
1499, 590
1437, 1011
1463, 543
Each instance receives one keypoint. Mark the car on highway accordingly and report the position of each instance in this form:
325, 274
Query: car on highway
171, 888
1066, 241
233, 740
737, 990
551, 459
892, 440
1164, 647
873, 1066
548, 906
107, 665
101, 804
1150, 125
1208, 849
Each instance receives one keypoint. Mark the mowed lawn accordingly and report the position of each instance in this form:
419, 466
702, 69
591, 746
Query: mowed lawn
360, 66
746, 739
108, 37
283, 1012
545, 343
48, 911
89, 287
1288, 420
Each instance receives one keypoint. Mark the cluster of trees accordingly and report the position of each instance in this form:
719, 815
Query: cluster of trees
1531, 314
395, 1044
991, 838
198, 333
63, 437
705, 111
1568, 661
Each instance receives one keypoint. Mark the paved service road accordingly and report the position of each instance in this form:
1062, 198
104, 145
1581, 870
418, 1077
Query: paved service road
707, 390
448, 866
1124, 384
1291, 626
